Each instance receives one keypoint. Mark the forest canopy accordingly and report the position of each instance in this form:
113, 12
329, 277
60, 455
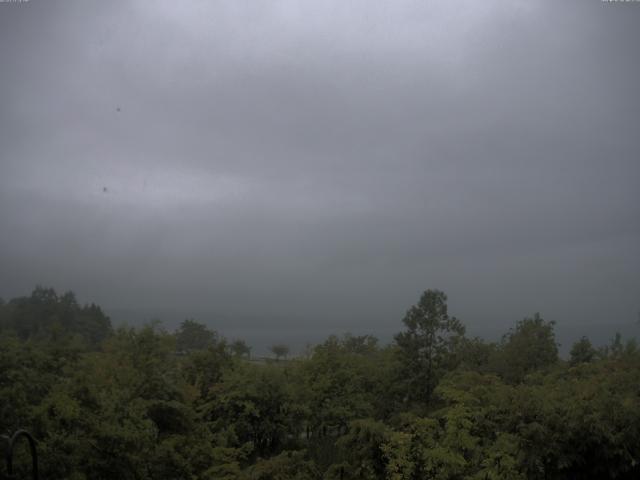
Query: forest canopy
147, 403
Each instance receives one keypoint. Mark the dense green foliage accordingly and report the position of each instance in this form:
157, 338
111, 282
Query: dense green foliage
150, 404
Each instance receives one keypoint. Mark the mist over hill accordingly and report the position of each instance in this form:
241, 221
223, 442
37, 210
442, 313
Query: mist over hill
261, 333
241, 218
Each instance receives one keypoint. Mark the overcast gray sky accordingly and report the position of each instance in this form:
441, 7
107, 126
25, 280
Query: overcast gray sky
320, 163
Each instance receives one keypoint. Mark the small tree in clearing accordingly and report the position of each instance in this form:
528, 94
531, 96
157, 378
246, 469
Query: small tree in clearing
280, 351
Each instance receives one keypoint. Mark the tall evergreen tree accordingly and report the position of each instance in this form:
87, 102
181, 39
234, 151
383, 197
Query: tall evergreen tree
427, 348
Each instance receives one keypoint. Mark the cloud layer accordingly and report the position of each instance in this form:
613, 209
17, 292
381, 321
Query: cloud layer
324, 161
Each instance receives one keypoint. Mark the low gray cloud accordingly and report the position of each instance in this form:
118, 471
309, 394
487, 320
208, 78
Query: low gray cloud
316, 163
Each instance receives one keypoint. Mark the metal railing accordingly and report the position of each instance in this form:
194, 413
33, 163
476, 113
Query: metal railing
11, 442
